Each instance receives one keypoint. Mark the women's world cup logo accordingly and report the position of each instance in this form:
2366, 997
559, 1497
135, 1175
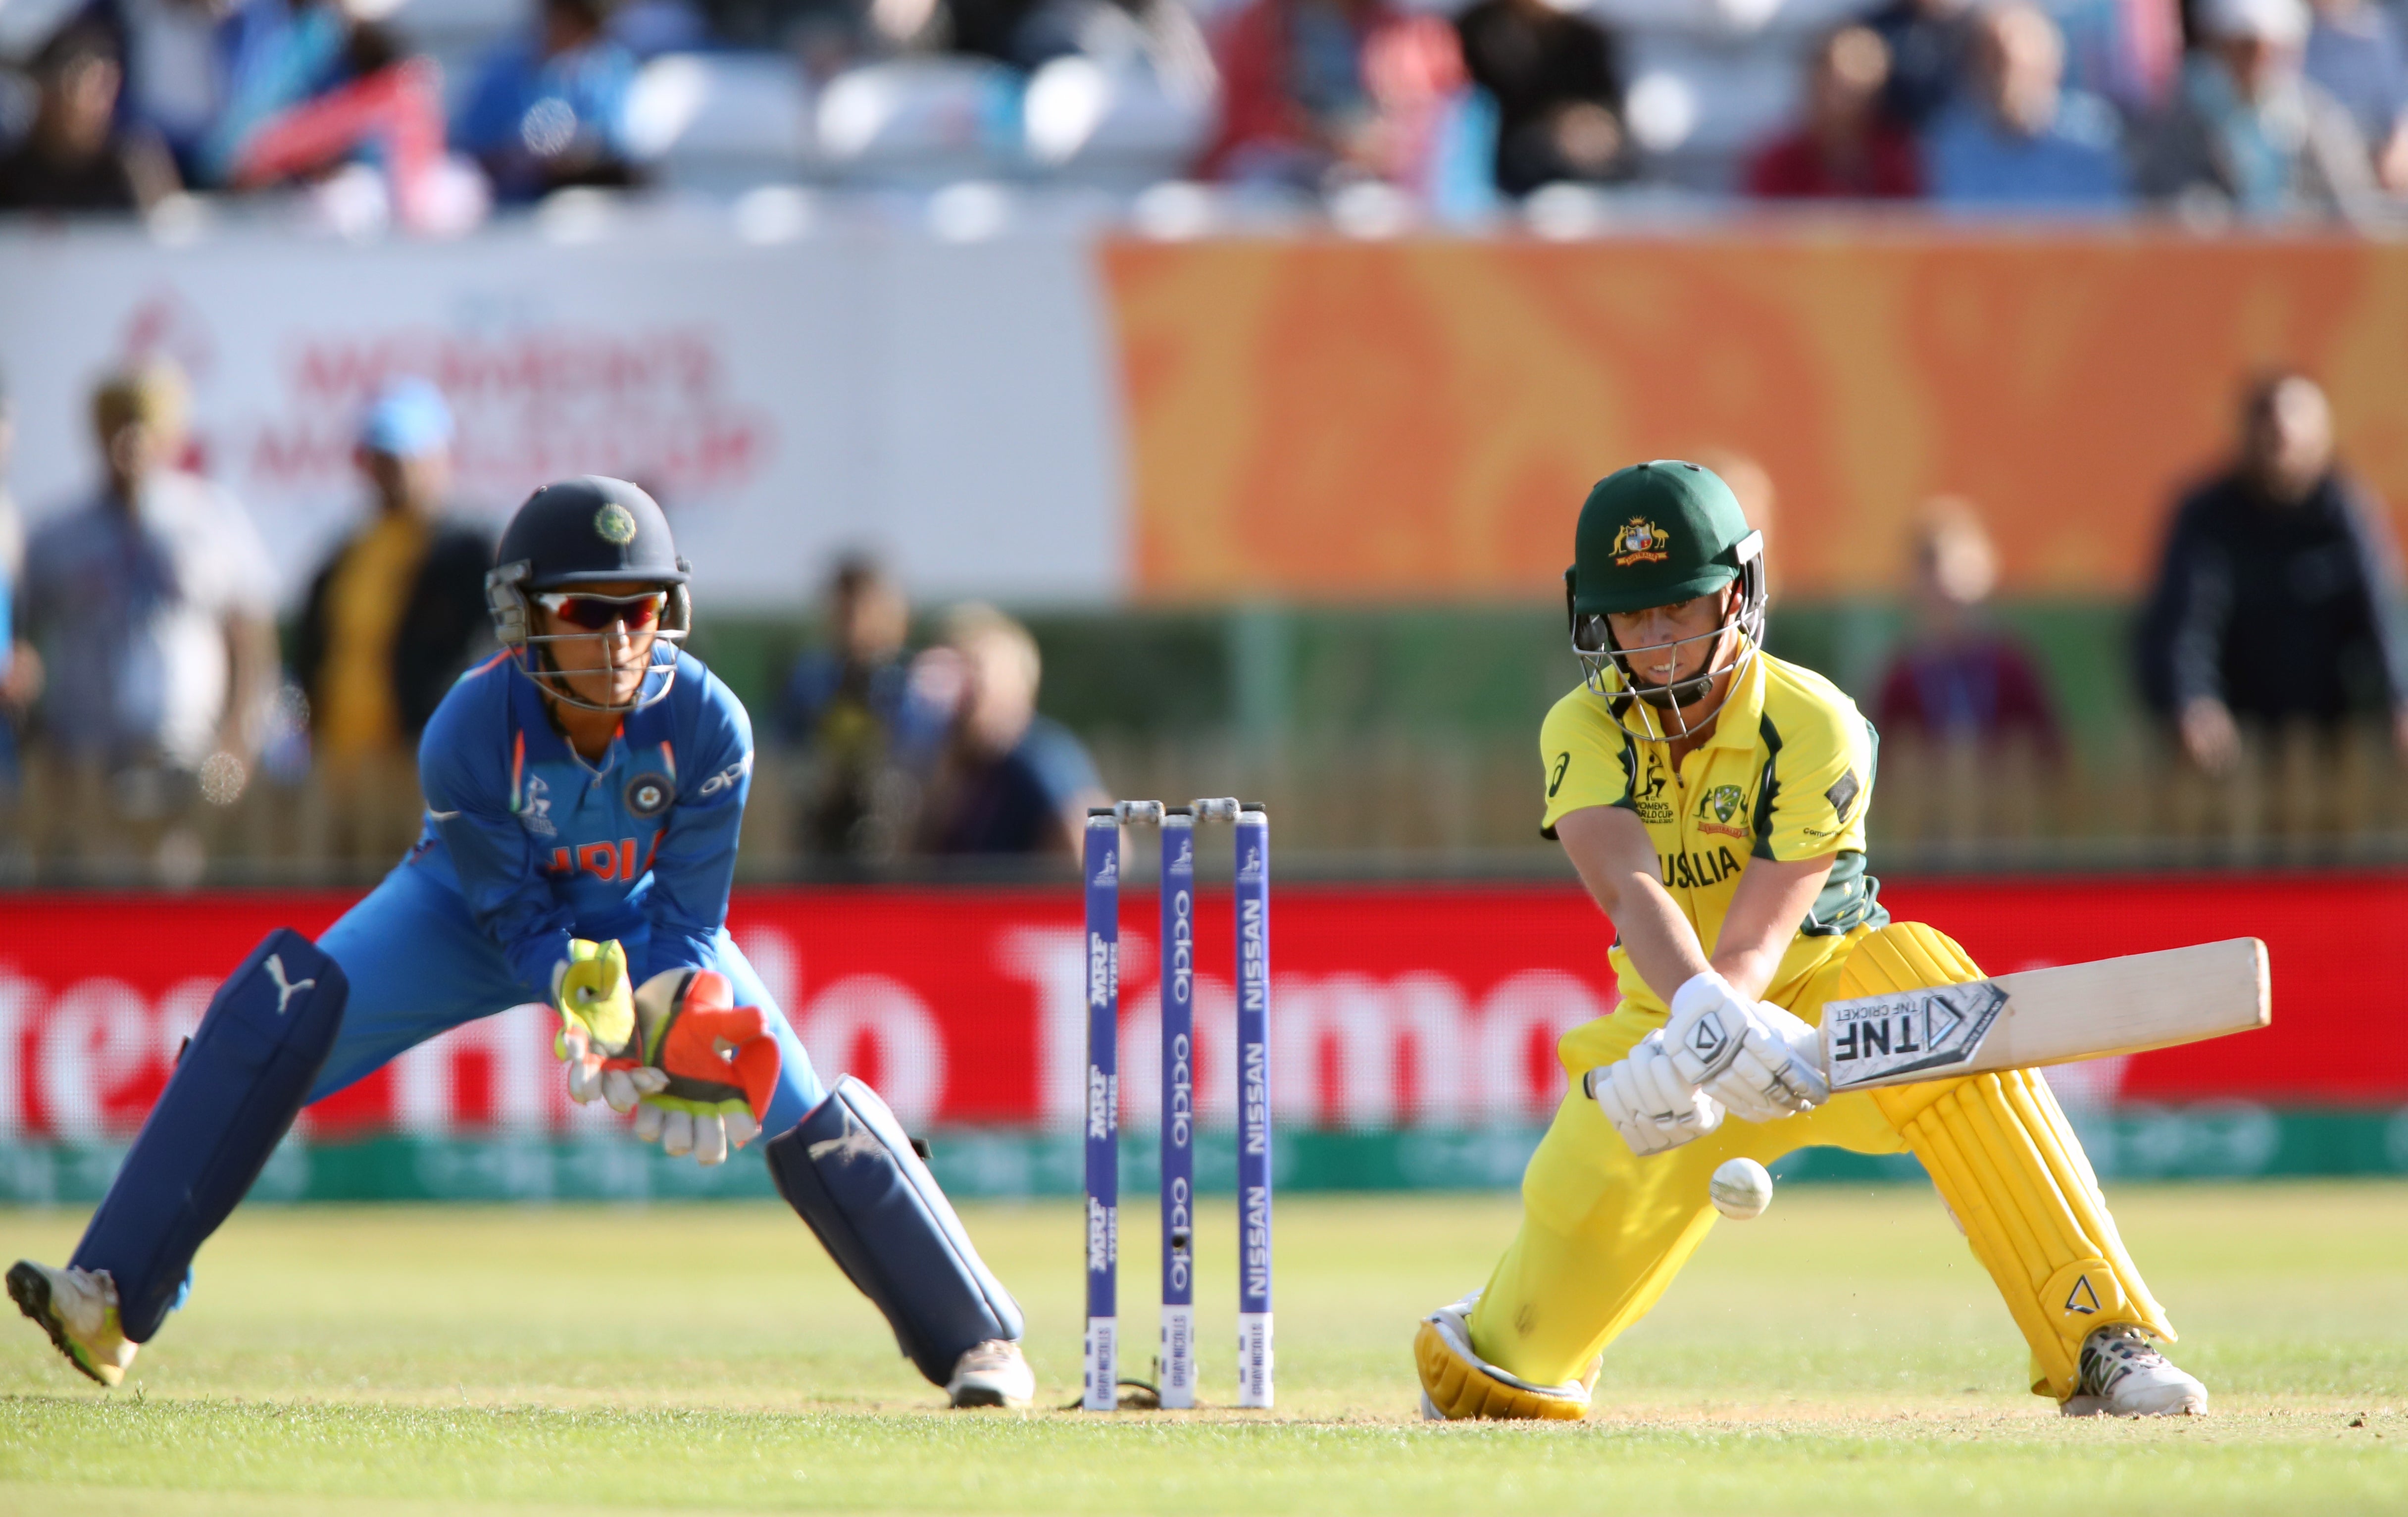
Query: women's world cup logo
1639, 541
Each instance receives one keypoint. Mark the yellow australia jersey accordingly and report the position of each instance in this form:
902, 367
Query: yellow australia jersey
1788, 775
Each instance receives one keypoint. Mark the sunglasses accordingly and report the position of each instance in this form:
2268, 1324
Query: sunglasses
597, 612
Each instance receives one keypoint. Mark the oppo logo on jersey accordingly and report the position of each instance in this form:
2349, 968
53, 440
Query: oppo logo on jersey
604, 861
1698, 870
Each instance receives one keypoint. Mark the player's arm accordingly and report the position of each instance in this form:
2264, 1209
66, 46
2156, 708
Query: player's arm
1767, 907
463, 777
1616, 859
1643, 1094
720, 1060
694, 866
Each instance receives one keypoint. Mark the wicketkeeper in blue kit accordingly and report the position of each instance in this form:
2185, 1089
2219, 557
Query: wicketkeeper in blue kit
583, 792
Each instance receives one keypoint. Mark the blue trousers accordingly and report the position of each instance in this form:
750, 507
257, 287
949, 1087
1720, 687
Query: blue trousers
419, 966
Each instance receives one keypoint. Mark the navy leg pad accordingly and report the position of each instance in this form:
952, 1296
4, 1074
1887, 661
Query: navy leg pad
848, 1170
232, 1096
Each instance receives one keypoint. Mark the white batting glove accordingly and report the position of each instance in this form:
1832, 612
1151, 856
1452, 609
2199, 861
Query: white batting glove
1757, 1059
1708, 1020
1778, 1071
1648, 1102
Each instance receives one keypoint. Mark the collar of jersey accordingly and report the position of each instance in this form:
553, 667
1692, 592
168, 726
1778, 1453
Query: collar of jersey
544, 741
529, 716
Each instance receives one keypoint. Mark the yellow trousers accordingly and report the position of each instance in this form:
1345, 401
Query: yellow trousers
1604, 1231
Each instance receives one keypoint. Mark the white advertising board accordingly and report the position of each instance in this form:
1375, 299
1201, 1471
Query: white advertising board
948, 406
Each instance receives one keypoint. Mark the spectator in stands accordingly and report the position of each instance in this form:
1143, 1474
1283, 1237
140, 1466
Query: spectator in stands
285, 55
1006, 780
151, 603
2355, 54
1930, 45
1555, 76
178, 56
1027, 34
74, 157
648, 28
854, 718
1298, 105
20, 669
2017, 137
2278, 598
395, 613
1846, 148
548, 110
1956, 678
2248, 134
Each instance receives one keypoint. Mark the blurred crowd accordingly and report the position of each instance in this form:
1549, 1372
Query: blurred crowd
427, 112
145, 689
146, 686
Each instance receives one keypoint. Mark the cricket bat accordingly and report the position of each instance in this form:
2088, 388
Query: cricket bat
2047, 1016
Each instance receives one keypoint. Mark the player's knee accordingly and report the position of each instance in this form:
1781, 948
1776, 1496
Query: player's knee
1903, 955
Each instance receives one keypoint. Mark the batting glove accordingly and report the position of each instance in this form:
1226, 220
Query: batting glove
1758, 1060
597, 1027
717, 1063
1648, 1102
1777, 1072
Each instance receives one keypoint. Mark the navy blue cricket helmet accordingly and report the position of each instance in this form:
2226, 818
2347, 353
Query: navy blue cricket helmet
588, 530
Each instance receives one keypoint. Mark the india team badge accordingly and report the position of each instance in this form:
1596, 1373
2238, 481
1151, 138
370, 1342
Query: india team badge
1639, 541
615, 525
648, 795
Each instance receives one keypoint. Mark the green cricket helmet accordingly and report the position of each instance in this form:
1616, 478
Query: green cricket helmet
1658, 534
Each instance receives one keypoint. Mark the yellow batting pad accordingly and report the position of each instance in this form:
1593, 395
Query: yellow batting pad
2009, 1167
1460, 1386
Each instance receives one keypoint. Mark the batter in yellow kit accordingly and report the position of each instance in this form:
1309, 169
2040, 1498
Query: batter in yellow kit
1713, 799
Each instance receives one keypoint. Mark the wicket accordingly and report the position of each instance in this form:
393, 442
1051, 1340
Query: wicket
1252, 1052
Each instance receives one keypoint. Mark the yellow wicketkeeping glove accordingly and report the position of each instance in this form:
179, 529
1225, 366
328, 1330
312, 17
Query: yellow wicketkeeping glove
598, 1026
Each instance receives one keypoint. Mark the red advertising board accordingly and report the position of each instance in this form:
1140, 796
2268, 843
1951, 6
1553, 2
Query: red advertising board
1431, 1005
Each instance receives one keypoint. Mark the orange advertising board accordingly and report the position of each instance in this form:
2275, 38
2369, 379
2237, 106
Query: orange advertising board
1334, 419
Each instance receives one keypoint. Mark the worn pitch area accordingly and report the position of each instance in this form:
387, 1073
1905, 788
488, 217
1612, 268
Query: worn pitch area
1844, 1353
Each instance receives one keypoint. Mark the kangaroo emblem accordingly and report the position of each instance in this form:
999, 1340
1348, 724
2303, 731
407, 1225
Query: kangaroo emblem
284, 989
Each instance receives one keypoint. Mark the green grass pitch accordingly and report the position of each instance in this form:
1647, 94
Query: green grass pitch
1841, 1355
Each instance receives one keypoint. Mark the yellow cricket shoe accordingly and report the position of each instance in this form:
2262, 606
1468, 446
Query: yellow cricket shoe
1457, 1383
78, 1308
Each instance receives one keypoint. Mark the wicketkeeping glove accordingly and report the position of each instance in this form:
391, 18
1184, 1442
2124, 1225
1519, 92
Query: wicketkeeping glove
1757, 1059
1648, 1102
597, 1027
717, 1061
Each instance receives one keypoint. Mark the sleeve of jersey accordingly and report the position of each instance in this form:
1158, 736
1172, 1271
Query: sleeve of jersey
500, 871
695, 862
1586, 762
1817, 786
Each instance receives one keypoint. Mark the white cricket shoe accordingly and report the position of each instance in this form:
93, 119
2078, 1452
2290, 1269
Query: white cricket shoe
2123, 1375
78, 1308
993, 1374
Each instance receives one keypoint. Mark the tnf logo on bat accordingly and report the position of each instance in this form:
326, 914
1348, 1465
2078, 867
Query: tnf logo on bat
1911, 1030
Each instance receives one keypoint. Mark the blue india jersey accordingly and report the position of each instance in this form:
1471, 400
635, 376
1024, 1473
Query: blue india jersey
544, 846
